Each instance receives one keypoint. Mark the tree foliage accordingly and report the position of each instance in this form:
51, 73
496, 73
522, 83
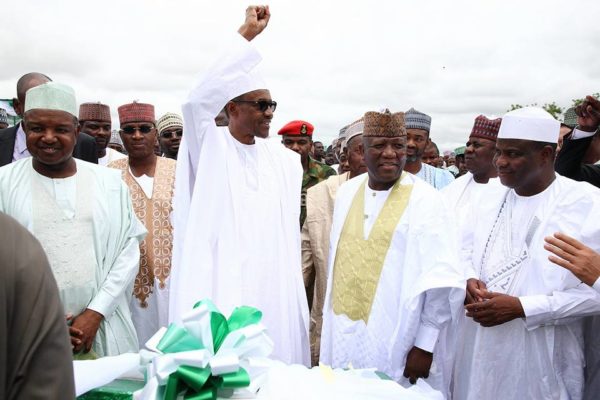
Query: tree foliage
552, 108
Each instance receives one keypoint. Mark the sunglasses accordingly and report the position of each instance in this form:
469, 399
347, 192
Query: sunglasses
130, 130
170, 134
262, 105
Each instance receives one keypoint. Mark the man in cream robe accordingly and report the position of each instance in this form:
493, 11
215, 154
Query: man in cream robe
317, 229
81, 213
150, 180
523, 337
393, 286
237, 202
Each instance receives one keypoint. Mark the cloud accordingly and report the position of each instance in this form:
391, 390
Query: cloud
326, 62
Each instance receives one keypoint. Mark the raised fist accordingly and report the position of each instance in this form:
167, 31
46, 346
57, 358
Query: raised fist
257, 18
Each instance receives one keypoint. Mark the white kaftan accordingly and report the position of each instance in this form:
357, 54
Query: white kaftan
419, 293
236, 211
540, 356
115, 237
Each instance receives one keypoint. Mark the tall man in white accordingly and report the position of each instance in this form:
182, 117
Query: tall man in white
523, 338
237, 202
82, 215
394, 284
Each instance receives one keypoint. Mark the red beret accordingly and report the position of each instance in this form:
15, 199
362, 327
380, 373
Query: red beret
297, 128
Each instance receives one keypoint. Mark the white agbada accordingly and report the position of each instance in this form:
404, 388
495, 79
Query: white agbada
539, 356
236, 210
420, 289
85, 223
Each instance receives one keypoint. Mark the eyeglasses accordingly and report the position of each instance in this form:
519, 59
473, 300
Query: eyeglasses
144, 129
262, 105
170, 134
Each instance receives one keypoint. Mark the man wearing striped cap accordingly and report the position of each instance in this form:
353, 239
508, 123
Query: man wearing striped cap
418, 126
394, 285
170, 131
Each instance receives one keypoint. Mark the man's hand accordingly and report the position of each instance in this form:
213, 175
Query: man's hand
75, 334
495, 309
87, 323
418, 364
475, 291
573, 255
257, 19
588, 114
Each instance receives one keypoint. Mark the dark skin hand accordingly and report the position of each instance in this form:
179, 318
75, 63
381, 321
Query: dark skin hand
75, 334
418, 364
588, 114
495, 309
573, 255
87, 323
257, 19
475, 291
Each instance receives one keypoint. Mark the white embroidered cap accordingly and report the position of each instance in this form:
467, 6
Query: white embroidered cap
529, 123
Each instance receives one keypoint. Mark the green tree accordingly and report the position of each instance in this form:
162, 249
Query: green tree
552, 108
576, 102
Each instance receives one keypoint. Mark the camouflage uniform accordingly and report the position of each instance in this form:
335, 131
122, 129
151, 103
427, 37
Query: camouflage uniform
316, 172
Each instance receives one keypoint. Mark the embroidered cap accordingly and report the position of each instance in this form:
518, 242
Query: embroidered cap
417, 120
354, 129
51, 96
384, 124
529, 123
486, 128
115, 137
136, 112
570, 119
169, 120
94, 112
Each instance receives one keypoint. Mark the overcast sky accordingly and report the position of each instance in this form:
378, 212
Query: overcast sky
327, 62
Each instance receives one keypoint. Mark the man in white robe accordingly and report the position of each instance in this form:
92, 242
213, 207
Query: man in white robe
82, 215
237, 202
523, 337
394, 284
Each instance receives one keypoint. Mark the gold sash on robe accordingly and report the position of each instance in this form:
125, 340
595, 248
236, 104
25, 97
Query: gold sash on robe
156, 248
358, 262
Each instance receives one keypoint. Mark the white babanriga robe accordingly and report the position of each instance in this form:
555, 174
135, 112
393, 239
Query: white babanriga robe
236, 210
540, 356
116, 235
419, 295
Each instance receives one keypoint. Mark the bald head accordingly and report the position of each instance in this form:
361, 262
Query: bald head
25, 83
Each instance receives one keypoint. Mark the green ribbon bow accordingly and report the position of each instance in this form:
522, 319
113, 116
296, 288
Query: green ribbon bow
199, 383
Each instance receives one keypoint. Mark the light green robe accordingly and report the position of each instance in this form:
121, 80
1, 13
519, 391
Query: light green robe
117, 234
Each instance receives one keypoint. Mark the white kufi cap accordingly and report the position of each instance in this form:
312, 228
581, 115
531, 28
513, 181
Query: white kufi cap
52, 96
529, 123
